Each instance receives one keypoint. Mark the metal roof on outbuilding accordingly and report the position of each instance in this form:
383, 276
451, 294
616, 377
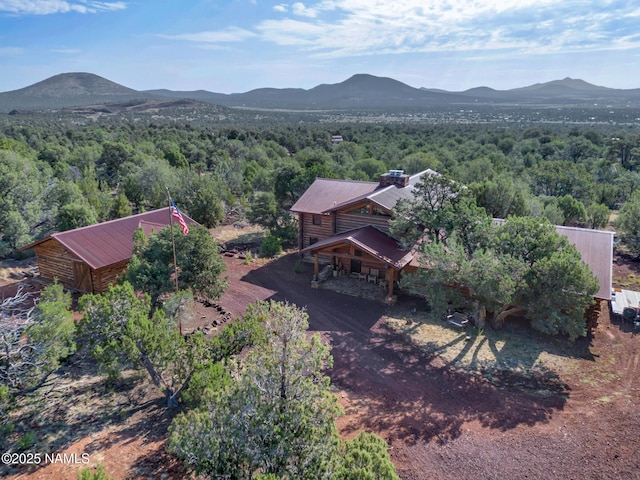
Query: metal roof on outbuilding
110, 242
596, 250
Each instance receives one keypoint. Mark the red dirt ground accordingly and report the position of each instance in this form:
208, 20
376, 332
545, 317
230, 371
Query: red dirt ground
439, 423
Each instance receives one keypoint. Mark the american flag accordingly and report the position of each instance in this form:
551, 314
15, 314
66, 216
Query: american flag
177, 215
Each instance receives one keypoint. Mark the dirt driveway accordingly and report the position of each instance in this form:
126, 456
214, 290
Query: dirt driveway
442, 423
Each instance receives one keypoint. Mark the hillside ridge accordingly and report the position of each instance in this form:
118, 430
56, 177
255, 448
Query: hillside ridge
360, 91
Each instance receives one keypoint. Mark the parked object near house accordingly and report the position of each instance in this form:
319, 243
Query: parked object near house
457, 319
89, 259
625, 304
632, 315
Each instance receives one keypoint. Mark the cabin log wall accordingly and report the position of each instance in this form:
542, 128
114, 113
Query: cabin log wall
350, 221
322, 231
108, 275
55, 261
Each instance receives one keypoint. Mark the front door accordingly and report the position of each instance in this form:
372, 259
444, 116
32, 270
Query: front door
82, 277
356, 266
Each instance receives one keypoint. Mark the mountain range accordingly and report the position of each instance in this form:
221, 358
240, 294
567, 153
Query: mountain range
359, 92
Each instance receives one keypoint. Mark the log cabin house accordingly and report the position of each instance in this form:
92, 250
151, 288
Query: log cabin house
345, 224
89, 259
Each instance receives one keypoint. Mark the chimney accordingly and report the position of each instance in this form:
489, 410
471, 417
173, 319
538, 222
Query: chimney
394, 177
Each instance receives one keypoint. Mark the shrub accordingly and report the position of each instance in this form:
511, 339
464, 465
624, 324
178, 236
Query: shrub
365, 457
94, 473
298, 267
27, 441
271, 245
206, 382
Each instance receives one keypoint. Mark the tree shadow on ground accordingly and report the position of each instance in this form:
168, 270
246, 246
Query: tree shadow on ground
412, 396
149, 428
508, 341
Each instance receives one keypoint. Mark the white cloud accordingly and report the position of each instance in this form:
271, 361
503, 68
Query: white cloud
47, 7
107, 5
299, 8
291, 32
230, 34
280, 8
340, 28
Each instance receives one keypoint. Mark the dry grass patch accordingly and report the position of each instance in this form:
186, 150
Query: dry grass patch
515, 348
628, 282
15, 270
239, 234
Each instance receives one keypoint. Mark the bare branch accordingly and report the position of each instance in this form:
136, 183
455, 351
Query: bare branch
30, 341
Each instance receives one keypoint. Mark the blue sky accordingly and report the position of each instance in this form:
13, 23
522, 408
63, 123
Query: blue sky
237, 45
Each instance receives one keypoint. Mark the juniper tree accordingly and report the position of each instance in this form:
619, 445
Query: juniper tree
530, 270
199, 264
276, 419
123, 330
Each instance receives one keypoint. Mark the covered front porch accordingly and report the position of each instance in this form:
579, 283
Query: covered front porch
366, 254
355, 287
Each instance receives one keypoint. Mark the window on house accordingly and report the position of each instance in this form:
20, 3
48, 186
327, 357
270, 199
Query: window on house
313, 240
364, 210
357, 253
317, 219
380, 211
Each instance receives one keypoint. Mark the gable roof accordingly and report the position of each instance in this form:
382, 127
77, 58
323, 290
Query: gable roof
388, 197
110, 242
371, 240
325, 193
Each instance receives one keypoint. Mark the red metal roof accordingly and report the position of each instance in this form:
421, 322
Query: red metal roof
387, 197
325, 193
110, 242
371, 240
328, 194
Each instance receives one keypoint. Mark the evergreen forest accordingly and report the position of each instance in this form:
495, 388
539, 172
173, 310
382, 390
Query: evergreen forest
58, 175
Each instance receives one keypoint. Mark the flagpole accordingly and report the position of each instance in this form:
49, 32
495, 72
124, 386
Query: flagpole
173, 243
173, 240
